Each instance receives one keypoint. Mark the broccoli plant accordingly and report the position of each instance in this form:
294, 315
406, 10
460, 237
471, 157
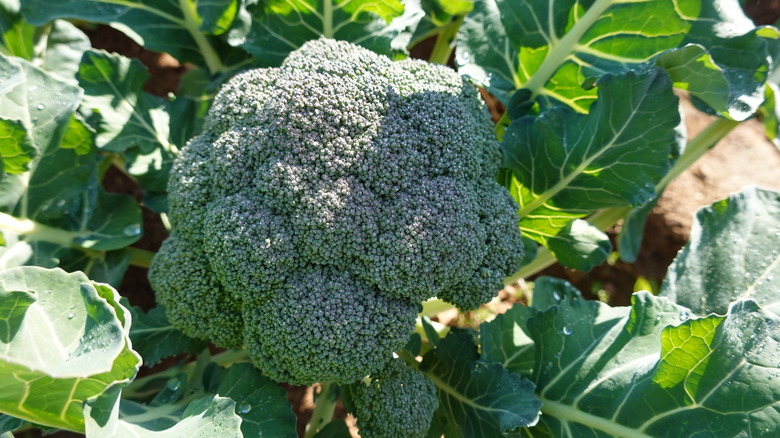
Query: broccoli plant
324, 201
309, 200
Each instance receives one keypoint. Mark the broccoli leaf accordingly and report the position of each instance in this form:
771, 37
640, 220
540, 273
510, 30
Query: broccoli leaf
55, 47
278, 27
648, 369
217, 15
54, 213
202, 418
566, 165
126, 116
260, 402
160, 25
476, 398
66, 341
552, 48
155, 338
733, 253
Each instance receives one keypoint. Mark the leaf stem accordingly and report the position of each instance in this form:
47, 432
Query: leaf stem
35, 231
568, 413
442, 50
323, 411
141, 257
192, 24
327, 18
561, 50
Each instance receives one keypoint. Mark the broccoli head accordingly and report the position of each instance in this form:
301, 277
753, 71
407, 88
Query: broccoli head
396, 402
324, 201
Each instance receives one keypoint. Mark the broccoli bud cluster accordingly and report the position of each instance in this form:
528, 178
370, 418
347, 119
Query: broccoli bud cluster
396, 402
324, 201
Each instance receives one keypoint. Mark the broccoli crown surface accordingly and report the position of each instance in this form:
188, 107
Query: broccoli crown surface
324, 201
396, 402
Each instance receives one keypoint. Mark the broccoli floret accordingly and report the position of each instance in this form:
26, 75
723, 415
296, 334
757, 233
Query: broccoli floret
397, 402
325, 200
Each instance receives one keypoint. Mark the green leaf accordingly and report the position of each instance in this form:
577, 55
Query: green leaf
159, 25
770, 113
552, 48
155, 338
71, 344
16, 36
35, 108
565, 165
13, 306
505, 341
208, 417
733, 253
476, 398
217, 15
651, 370
278, 27
56, 213
260, 402
16, 146
127, 117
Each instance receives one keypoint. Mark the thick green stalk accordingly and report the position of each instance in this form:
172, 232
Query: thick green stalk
192, 22
442, 50
141, 257
323, 410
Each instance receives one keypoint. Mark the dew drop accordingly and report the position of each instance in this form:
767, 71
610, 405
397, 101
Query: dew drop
173, 384
462, 58
556, 295
132, 230
40, 107
566, 330
244, 408
684, 315
71, 315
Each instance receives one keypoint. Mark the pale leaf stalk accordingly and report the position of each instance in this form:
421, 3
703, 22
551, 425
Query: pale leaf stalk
323, 410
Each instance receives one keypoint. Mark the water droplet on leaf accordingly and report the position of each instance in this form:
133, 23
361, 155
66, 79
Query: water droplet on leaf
132, 230
173, 384
566, 330
244, 408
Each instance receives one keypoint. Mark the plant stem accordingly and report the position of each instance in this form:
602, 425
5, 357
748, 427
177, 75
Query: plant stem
442, 50
141, 257
192, 24
605, 218
323, 411
34, 231
698, 146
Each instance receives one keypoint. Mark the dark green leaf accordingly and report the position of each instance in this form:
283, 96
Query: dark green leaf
279, 26
154, 337
476, 398
651, 370
553, 48
733, 253
504, 340
260, 402
13, 306
566, 165
217, 15
159, 25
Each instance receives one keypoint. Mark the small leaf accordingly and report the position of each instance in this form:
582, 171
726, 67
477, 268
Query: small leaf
155, 338
260, 402
476, 398
278, 27
217, 15
13, 306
